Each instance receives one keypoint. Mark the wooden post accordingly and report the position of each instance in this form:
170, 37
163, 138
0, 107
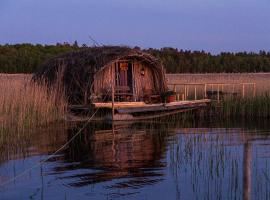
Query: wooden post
233, 90
254, 89
247, 172
243, 90
185, 92
174, 89
112, 87
218, 93
195, 92
205, 86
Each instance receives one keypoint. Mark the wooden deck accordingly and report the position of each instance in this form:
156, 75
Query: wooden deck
132, 111
141, 107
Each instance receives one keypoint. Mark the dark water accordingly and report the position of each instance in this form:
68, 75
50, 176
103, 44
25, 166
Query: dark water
140, 161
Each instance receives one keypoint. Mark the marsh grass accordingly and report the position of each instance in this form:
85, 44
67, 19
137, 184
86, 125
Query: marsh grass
245, 108
260, 79
26, 104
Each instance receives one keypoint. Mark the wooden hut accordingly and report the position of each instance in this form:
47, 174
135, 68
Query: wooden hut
125, 81
92, 74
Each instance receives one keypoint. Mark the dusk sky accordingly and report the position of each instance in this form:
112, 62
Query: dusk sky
210, 25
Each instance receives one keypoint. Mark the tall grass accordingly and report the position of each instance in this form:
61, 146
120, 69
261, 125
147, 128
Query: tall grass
25, 104
246, 108
260, 79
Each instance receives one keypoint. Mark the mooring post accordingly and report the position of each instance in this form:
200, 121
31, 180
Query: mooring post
254, 89
218, 93
233, 89
195, 92
243, 90
185, 92
247, 172
112, 85
205, 95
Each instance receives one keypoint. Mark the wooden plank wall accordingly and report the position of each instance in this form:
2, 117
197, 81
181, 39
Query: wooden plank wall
102, 80
141, 84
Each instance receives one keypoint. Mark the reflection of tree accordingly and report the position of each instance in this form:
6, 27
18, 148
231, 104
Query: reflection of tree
116, 154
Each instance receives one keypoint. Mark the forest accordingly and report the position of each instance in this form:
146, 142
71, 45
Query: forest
26, 58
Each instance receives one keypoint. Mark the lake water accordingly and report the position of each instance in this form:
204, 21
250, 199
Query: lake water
139, 161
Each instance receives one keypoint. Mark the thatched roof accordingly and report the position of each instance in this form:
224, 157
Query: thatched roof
78, 67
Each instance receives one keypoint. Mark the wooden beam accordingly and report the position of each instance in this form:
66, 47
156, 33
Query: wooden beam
112, 86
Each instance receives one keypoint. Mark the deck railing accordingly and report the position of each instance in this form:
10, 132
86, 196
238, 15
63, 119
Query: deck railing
215, 88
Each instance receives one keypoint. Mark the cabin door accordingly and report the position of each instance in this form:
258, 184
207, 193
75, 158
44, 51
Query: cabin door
124, 80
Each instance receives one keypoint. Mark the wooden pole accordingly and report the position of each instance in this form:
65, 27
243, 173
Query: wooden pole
247, 172
254, 89
185, 92
112, 87
195, 92
205, 95
243, 90
218, 93
233, 90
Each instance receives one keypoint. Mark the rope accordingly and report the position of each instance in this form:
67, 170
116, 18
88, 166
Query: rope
52, 155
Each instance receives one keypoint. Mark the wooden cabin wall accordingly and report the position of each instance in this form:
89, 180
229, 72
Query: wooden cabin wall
143, 84
102, 81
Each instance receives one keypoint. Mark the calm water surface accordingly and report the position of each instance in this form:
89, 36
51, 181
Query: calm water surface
139, 161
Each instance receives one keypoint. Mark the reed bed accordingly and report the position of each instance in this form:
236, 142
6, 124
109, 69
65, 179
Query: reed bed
260, 79
245, 108
25, 104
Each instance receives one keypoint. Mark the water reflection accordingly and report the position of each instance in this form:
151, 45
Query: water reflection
118, 153
141, 161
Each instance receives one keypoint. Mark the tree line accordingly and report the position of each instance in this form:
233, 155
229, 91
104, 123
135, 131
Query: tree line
25, 58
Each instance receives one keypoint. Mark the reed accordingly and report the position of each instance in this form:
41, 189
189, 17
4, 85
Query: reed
25, 104
245, 108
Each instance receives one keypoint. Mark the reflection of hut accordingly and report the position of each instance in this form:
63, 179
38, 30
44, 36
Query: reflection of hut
89, 74
117, 154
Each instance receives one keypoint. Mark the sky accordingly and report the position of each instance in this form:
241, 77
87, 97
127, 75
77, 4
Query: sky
210, 25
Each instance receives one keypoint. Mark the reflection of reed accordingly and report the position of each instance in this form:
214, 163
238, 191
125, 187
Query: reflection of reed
122, 153
39, 141
205, 162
